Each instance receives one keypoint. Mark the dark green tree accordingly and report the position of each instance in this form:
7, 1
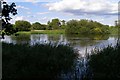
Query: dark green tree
5, 17
116, 23
22, 25
63, 24
37, 26
86, 27
49, 27
72, 27
54, 24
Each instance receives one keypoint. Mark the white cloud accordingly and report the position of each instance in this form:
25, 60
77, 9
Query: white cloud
77, 7
33, 1
19, 18
30, 1
40, 13
44, 20
22, 7
21, 0
16, 18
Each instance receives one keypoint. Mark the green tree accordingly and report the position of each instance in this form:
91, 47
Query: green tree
6, 11
22, 25
49, 27
44, 26
55, 24
63, 24
10, 29
116, 23
38, 26
86, 27
72, 27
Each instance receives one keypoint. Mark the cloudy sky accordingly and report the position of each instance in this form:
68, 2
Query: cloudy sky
104, 11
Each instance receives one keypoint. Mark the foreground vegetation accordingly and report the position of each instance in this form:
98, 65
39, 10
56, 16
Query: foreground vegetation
105, 63
22, 61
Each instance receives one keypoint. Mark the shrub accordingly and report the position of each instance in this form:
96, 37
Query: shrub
105, 63
38, 61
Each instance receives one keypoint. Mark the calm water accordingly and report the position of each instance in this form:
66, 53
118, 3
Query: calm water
78, 42
83, 44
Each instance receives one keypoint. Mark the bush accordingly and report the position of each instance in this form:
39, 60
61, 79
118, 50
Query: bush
38, 61
105, 63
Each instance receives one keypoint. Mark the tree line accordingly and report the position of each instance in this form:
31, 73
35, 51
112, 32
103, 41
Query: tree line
54, 24
71, 27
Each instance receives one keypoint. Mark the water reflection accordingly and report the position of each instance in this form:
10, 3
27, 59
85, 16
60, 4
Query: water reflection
80, 42
21, 39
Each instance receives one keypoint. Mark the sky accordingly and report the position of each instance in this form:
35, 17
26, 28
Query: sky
104, 11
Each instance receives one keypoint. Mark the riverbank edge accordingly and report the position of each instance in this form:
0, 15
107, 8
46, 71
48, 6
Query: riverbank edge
42, 32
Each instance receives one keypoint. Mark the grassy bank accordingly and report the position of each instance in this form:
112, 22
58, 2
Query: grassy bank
37, 62
48, 31
42, 32
105, 63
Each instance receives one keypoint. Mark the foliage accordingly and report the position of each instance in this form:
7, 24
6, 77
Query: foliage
105, 63
72, 26
86, 27
36, 62
10, 29
38, 26
63, 24
22, 25
54, 24
6, 11
114, 30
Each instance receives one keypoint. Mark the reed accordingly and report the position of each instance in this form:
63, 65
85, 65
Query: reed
105, 63
40, 61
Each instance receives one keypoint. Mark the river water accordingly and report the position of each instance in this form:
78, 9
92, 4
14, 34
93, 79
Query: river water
76, 41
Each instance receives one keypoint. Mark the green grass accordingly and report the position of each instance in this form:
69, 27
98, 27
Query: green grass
42, 32
105, 63
21, 61
48, 32
23, 32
